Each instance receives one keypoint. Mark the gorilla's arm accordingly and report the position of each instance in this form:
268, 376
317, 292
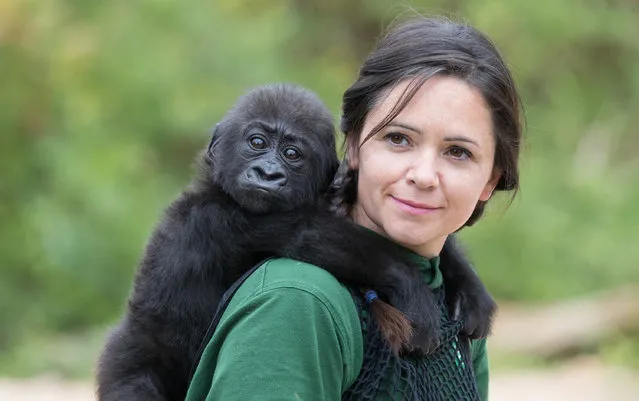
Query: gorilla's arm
355, 255
466, 295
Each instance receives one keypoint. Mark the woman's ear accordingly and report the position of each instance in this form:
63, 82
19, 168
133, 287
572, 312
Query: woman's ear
487, 192
352, 154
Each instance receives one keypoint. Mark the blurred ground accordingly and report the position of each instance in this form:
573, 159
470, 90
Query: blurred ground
583, 380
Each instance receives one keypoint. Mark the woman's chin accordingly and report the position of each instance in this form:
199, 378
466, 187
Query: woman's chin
424, 243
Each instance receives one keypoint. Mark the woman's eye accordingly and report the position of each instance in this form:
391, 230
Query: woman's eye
397, 139
292, 154
459, 153
257, 142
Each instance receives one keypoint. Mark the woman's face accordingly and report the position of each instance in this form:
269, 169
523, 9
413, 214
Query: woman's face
421, 176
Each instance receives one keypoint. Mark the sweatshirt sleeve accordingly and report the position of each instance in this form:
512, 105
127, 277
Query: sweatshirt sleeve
480, 367
290, 339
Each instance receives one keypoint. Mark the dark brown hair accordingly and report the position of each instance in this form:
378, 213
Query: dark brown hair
415, 51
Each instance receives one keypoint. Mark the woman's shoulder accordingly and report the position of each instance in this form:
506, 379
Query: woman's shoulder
302, 311
289, 311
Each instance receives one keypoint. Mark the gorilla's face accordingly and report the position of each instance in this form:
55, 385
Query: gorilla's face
269, 167
272, 156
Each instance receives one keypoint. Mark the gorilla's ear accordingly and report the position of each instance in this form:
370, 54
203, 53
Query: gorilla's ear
215, 136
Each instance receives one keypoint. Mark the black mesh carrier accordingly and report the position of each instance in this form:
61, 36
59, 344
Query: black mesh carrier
445, 374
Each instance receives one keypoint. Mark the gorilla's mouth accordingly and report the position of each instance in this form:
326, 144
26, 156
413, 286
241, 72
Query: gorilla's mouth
262, 191
259, 199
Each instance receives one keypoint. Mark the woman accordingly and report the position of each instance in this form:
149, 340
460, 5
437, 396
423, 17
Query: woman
432, 129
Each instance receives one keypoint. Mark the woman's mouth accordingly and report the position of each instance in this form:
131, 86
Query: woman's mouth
411, 207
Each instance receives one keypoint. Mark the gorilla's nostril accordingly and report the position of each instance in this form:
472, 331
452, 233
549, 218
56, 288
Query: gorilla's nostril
269, 173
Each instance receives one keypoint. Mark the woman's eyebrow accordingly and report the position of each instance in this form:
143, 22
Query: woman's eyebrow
460, 138
405, 126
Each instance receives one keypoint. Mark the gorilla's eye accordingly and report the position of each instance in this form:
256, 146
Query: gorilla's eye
292, 154
257, 142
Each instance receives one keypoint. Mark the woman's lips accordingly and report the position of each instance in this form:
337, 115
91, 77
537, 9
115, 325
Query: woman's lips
414, 207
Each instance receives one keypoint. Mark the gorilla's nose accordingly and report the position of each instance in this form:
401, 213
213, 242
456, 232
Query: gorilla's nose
271, 174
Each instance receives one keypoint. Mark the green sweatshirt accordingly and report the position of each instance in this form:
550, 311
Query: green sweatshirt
291, 332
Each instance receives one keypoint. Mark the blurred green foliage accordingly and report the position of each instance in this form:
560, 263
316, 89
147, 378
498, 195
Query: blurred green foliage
103, 106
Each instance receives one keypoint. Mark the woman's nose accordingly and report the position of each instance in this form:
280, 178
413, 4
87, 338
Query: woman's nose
424, 171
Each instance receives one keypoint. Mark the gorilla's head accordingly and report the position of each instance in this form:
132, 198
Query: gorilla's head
275, 149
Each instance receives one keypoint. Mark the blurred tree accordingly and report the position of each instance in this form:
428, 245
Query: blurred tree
103, 106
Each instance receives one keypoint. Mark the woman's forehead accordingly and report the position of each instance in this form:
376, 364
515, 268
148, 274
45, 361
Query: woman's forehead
442, 102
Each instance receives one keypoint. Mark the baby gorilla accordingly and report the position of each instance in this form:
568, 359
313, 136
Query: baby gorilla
259, 191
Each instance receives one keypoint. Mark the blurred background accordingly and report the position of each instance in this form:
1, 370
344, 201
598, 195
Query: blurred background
103, 106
